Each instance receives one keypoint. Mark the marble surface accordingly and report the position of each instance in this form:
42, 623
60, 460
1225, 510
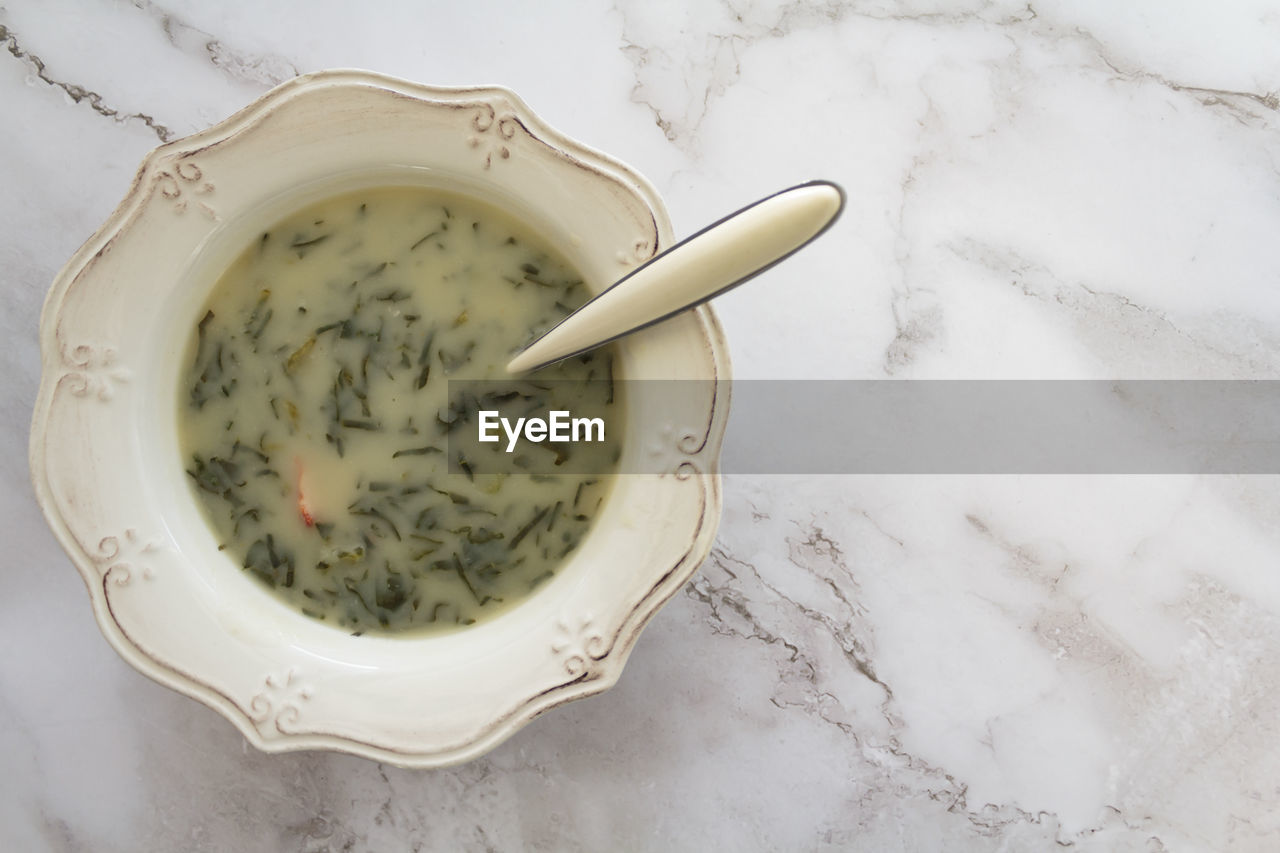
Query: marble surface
1037, 190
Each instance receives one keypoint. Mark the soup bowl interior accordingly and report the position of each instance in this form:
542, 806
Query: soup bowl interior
109, 474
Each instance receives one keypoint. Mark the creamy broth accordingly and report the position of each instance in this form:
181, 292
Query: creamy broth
314, 412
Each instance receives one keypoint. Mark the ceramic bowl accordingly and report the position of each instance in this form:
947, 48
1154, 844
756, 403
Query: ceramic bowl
109, 477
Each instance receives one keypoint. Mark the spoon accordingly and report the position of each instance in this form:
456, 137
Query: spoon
716, 259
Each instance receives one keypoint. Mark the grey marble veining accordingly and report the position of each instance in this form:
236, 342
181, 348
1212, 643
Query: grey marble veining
1042, 190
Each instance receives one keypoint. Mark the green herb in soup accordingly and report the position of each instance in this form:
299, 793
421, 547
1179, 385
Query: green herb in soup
315, 417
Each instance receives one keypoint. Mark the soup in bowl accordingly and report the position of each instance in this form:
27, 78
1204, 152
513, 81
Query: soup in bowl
247, 433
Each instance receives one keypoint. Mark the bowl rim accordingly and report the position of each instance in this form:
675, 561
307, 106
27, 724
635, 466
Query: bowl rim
597, 653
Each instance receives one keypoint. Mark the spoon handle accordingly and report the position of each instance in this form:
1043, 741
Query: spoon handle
716, 259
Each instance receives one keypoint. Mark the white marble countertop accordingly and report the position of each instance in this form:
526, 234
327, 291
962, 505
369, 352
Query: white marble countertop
1037, 190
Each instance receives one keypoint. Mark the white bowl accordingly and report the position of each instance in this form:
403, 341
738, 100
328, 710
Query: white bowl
108, 473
